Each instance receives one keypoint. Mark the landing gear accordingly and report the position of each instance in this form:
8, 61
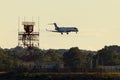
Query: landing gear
76, 32
62, 33
67, 33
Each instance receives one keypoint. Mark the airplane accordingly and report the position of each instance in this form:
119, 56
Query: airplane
64, 29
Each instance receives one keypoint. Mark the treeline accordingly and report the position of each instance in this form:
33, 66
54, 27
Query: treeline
72, 59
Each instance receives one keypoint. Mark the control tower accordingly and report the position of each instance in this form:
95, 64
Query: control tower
28, 38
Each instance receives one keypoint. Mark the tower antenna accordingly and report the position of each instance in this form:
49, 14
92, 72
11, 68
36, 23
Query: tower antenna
38, 31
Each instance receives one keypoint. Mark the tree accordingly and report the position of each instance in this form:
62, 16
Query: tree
73, 59
89, 61
108, 57
6, 62
53, 56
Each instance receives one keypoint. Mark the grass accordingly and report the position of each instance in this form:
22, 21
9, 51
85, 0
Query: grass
60, 74
92, 74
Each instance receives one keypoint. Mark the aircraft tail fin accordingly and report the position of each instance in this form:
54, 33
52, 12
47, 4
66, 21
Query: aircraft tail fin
56, 27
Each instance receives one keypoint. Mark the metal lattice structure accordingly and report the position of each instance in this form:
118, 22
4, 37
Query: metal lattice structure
28, 38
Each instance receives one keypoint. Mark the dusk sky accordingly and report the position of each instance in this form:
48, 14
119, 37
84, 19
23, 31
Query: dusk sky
98, 22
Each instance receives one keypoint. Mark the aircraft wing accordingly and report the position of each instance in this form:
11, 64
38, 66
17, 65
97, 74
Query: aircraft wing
51, 30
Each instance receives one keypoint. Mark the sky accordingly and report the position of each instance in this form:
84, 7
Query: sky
98, 22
